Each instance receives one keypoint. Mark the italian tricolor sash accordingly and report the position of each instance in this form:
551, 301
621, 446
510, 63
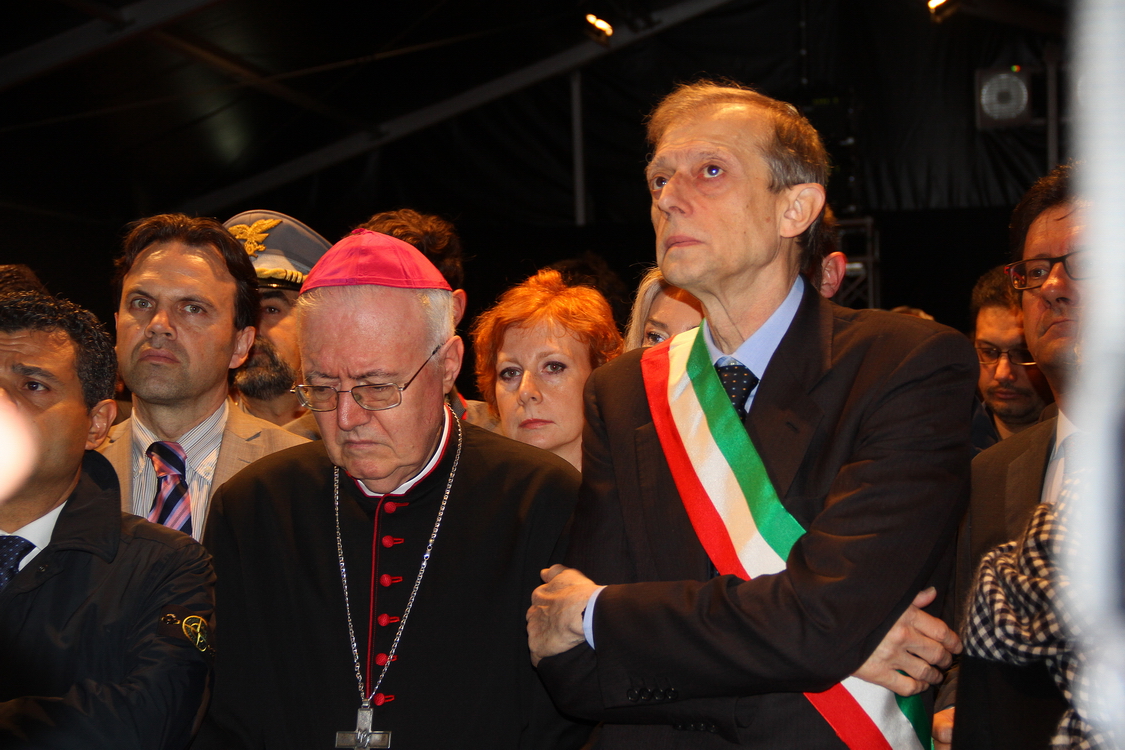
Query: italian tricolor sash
743, 526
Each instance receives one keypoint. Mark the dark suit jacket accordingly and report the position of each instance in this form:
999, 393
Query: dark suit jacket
1002, 706
862, 420
1007, 485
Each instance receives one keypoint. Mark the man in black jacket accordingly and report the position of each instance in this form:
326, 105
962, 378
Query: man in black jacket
104, 617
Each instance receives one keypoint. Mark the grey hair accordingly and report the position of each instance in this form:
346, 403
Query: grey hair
437, 306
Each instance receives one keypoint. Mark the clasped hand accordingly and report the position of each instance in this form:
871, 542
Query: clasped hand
918, 644
554, 619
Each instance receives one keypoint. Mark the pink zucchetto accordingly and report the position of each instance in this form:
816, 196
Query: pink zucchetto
366, 258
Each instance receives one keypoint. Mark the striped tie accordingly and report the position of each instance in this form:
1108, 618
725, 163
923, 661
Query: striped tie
172, 505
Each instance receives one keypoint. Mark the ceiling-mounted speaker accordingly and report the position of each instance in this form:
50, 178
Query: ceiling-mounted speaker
1003, 97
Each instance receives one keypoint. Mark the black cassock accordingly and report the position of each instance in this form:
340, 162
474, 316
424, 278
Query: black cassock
462, 677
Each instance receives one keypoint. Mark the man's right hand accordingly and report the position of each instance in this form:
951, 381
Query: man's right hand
918, 644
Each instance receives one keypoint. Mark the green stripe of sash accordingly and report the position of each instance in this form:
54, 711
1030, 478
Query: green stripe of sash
780, 530
918, 717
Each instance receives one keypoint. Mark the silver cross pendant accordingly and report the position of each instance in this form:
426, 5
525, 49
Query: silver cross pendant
363, 738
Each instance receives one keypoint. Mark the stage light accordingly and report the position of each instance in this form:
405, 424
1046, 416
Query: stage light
942, 9
598, 30
599, 24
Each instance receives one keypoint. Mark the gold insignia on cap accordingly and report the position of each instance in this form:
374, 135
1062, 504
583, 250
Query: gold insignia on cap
253, 235
196, 631
283, 274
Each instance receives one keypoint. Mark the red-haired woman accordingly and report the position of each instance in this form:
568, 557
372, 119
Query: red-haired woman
534, 349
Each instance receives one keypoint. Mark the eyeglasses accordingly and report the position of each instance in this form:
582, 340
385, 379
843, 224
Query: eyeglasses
373, 396
1030, 274
990, 355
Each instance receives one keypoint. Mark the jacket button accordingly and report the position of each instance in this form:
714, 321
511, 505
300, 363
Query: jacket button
646, 694
389, 580
385, 620
633, 695
678, 726
712, 729
658, 694
390, 541
671, 694
391, 506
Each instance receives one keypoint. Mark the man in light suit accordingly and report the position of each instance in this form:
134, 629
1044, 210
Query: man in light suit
999, 705
861, 421
186, 316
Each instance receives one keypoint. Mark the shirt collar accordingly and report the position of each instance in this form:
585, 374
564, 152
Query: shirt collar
198, 443
756, 351
406, 486
1064, 428
39, 531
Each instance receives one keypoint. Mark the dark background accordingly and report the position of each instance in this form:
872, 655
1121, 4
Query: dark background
158, 119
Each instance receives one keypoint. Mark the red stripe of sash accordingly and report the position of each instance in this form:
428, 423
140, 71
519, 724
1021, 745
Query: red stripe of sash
705, 518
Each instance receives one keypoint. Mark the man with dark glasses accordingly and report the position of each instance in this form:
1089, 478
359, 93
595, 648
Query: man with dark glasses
1012, 388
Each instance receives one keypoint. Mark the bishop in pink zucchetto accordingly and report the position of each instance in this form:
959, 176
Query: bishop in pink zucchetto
376, 563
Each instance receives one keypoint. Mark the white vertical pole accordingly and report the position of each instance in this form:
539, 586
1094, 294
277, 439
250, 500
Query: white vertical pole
1100, 407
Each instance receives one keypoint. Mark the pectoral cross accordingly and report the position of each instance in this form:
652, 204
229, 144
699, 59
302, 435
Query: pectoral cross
363, 738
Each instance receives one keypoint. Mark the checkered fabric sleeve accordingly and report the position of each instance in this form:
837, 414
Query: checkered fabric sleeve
1015, 615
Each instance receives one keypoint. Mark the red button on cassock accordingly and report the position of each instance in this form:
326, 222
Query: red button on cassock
379, 699
388, 580
391, 506
385, 620
381, 659
390, 541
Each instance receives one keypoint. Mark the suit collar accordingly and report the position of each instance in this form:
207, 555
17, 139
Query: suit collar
1026, 473
243, 443
784, 417
243, 424
757, 350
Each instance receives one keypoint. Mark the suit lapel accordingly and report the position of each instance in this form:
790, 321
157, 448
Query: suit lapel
783, 417
238, 448
1023, 488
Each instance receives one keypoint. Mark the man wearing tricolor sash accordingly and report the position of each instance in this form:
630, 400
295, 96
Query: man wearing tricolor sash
768, 500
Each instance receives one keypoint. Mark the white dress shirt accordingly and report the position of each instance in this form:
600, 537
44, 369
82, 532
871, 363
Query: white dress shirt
38, 532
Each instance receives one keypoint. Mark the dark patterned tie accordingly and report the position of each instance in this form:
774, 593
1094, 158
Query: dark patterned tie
738, 381
12, 551
172, 504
